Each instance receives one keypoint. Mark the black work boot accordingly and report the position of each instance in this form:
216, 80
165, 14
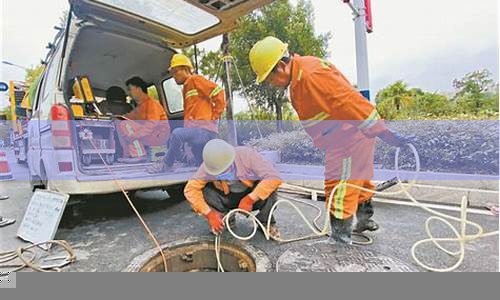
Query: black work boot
341, 231
364, 218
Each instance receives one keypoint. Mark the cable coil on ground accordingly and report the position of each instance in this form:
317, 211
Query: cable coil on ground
461, 237
17, 260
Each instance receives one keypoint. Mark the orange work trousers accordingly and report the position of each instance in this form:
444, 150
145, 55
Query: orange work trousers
134, 147
350, 162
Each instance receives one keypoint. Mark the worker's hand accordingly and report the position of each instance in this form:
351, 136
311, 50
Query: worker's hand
246, 204
395, 139
215, 222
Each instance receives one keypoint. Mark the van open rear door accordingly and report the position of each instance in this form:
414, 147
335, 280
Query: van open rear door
180, 23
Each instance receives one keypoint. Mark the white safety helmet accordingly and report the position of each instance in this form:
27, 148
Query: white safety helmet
218, 156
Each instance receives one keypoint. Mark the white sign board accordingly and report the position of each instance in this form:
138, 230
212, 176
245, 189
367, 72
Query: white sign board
42, 217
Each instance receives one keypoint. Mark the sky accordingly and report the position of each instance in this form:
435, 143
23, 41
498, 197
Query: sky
426, 43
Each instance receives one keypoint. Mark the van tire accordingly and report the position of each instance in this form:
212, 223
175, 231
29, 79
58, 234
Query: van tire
36, 183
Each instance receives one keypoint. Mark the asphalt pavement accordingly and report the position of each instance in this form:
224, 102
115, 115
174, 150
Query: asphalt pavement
107, 236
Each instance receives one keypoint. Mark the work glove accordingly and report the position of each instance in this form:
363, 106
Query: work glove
246, 204
215, 222
395, 139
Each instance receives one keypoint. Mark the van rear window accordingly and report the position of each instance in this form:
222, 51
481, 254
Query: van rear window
173, 93
176, 14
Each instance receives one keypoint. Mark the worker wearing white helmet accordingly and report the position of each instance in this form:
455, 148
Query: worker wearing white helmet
233, 177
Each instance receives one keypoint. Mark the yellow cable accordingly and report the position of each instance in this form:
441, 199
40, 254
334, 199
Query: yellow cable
119, 184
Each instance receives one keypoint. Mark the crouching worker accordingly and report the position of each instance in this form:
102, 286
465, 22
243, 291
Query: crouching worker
233, 177
146, 125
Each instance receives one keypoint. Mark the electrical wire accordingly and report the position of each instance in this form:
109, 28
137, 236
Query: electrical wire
120, 185
461, 237
362, 240
34, 260
230, 61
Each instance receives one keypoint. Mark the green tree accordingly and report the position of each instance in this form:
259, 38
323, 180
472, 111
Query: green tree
473, 90
398, 101
431, 104
491, 101
5, 114
397, 94
395, 98
32, 74
293, 24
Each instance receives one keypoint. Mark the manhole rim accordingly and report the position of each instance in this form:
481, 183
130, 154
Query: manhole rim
262, 261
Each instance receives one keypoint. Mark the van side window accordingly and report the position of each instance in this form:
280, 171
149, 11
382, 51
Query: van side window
49, 86
153, 92
173, 94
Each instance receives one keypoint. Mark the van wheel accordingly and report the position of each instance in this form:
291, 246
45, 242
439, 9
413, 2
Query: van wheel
36, 183
176, 192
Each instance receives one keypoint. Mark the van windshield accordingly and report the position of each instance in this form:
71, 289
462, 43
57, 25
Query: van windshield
176, 14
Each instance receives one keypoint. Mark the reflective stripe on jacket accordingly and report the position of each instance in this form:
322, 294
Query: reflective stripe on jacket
321, 94
204, 103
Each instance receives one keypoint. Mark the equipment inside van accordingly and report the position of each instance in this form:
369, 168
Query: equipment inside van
82, 90
96, 132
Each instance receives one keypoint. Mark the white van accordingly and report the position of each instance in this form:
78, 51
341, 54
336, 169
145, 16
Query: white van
109, 41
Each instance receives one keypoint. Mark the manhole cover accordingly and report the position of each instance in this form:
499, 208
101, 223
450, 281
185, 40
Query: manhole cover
322, 257
198, 255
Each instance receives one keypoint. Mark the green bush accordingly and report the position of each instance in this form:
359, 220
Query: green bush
466, 147
295, 147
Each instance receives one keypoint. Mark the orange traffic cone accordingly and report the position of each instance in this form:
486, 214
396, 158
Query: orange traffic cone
5, 173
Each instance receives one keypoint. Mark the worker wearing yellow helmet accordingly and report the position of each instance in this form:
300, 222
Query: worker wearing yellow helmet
204, 103
230, 178
339, 120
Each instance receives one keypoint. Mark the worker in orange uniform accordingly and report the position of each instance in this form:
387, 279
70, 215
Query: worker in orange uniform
339, 120
230, 178
146, 125
204, 103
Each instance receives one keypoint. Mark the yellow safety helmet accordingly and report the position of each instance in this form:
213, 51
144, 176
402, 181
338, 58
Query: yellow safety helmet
218, 156
180, 60
265, 55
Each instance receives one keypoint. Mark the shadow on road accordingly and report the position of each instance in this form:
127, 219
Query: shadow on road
101, 208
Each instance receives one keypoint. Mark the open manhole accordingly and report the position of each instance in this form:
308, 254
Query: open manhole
323, 257
198, 255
